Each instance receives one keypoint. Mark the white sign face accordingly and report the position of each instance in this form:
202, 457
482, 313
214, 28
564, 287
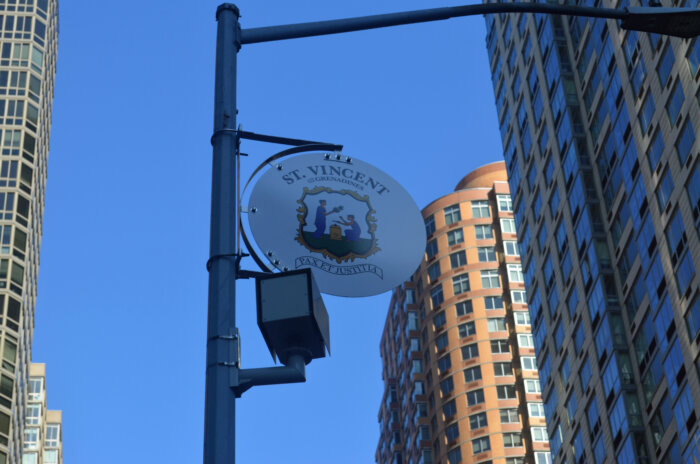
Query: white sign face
357, 229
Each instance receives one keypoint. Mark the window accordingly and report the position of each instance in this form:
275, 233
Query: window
444, 363
480, 209
430, 225
493, 302
452, 214
50, 456
502, 369
539, 433
505, 203
483, 232
499, 346
509, 416
496, 324
475, 397
481, 445
447, 386
663, 191
439, 320
452, 432
455, 236
545, 457
515, 460
656, 149
528, 363
31, 438
441, 341
472, 374
505, 392
35, 388
460, 284
33, 416
489, 279
665, 65
525, 341
646, 114
694, 57
431, 248
532, 386
521, 317
515, 273
508, 226
510, 247
434, 271
692, 319
467, 330
487, 254
535, 409
532, 176
675, 102
449, 409
684, 412
470, 351
29, 458
512, 439
477, 421
458, 259
410, 296
518, 297
637, 77
436, 296
454, 456
463, 308
685, 142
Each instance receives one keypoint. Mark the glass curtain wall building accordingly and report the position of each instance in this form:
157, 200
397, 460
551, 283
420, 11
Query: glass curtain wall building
457, 352
28, 44
599, 129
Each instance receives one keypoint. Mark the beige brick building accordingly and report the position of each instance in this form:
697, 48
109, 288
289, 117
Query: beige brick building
42, 427
459, 366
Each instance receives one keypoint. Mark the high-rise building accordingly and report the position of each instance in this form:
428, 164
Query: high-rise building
599, 128
42, 431
28, 43
459, 368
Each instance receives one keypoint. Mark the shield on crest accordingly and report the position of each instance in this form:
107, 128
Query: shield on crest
339, 224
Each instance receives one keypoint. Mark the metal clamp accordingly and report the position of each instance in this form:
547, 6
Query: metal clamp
225, 131
238, 257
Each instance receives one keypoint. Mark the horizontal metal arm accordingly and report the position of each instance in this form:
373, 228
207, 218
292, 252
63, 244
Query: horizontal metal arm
336, 26
282, 140
632, 18
293, 372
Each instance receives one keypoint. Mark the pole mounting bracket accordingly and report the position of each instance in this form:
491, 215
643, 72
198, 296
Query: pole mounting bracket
242, 380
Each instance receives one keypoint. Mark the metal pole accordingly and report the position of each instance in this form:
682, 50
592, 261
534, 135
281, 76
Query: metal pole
219, 408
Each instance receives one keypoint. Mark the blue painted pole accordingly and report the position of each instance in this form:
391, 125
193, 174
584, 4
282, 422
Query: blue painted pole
219, 408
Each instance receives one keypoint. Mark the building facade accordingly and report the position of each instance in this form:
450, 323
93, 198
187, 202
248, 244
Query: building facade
599, 128
28, 44
42, 431
461, 383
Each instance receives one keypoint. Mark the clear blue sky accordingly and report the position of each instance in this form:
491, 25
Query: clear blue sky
120, 318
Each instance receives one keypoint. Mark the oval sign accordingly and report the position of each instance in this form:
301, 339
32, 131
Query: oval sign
358, 230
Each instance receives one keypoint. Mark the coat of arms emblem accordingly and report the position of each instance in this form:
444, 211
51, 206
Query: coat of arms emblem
339, 224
